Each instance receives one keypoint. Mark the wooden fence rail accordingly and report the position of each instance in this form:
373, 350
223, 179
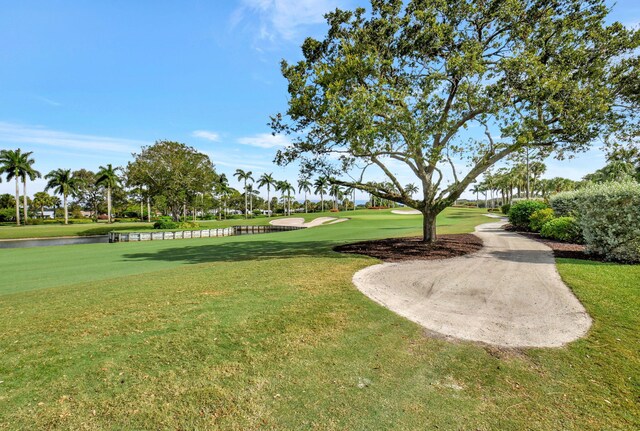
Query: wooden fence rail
200, 233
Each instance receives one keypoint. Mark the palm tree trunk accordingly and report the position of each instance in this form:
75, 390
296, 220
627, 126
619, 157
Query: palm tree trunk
246, 204
66, 213
17, 202
24, 199
322, 202
109, 204
305, 202
268, 202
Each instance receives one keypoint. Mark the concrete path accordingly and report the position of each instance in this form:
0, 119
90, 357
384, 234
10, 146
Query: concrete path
507, 294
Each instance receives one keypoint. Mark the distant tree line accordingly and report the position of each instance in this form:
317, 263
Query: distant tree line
167, 178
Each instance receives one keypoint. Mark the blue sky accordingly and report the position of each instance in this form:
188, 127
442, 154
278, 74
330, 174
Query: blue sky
84, 84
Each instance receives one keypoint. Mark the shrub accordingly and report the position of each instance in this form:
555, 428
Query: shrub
609, 216
188, 225
505, 208
79, 221
520, 212
165, 224
565, 204
562, 229
7, 214
540, 218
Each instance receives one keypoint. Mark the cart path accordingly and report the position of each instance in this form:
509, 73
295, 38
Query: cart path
507, 294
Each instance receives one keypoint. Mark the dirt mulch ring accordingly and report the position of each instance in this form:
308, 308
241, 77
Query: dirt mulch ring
399, 249
562, 249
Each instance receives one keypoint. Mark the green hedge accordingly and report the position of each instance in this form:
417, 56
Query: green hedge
609, 216
565, 204
520, 213
539, 218
562, 229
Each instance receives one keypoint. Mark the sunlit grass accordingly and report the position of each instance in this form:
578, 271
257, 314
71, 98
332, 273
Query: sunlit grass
268, 332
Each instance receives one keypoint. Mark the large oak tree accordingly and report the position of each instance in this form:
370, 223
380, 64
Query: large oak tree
400, 82
172, 171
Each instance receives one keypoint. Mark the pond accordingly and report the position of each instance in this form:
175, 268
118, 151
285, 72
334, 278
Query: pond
45, 242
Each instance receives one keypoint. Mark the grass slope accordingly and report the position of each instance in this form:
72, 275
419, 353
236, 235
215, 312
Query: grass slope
275, 336
43, 267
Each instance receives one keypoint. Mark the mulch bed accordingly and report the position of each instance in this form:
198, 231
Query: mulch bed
412, 248
560, 249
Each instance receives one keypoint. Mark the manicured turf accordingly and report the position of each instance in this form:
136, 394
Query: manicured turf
54, 230
42, 267
267, 332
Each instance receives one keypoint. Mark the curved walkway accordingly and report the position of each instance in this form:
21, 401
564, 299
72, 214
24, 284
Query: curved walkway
507, 294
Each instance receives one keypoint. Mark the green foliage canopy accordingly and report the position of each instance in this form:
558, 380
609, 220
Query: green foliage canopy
172, 171
400, 82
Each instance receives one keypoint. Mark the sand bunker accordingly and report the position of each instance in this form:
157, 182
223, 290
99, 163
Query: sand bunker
299, 221
406, 212
507, 294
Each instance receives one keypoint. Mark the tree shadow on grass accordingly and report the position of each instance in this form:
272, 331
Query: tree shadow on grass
243, 250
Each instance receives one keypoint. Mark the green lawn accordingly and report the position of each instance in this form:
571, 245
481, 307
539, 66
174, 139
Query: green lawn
53, 230
268, 332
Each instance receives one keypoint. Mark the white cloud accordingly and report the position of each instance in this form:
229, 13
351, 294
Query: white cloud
49, 102
265, 140
204, 134
284, 19
19, 134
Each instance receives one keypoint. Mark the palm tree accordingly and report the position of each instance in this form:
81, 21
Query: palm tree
42, 200
107, 177
221, 189
268, 181
27, 171
244, 176
411, 189
63, 183
17, 166
285, 187
320, 189
335, 191
304, 185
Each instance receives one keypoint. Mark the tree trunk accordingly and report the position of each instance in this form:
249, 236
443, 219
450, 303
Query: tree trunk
109, 205
142, 209
17, 201
268, 203
322, 202
148, 210
66, 211
24, 199
428, 227
246, 203
305, 202
528, 177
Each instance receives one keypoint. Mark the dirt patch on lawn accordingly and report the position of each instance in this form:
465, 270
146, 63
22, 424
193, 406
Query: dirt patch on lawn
412, 248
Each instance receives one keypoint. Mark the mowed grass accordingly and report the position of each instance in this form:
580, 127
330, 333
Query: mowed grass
268, 332
43, 267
